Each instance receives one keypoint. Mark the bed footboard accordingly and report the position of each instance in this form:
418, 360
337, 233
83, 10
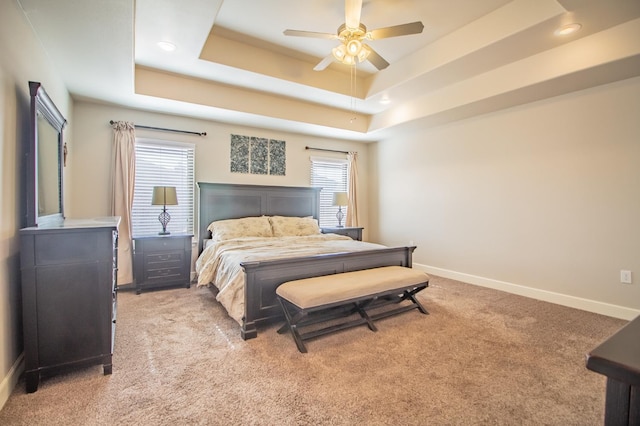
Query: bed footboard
262, 278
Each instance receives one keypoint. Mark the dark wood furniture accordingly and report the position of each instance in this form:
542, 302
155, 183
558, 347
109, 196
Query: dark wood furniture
162, 261
618, 358
68, 295
360, 292
228, 201
354, 232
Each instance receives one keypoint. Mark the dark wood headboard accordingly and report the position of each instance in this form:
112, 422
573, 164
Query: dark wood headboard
232, 201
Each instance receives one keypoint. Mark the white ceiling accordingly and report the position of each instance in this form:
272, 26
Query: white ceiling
233, 63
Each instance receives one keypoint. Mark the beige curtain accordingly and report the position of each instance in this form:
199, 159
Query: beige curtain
124, 172
352, 208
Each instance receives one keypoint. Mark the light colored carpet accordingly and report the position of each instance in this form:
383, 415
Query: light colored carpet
480, 357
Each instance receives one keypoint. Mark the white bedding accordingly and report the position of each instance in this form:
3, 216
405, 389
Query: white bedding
219, 263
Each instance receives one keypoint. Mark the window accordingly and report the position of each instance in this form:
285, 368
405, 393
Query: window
330, 175
161, 163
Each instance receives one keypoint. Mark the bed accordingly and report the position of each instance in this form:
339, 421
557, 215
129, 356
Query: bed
219, 201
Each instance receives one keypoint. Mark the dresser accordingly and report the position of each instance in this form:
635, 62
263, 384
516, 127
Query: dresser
162, 261
354, 232
618, 358
68, 295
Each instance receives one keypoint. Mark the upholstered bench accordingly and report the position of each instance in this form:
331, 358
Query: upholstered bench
330, 297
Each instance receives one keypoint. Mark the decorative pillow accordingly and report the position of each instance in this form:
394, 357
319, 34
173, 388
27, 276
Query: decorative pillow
237, 228
286, 226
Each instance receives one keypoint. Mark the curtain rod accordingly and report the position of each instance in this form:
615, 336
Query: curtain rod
162, 129
326, 150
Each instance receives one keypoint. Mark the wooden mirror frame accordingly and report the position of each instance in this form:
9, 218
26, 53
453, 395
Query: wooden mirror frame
42, 106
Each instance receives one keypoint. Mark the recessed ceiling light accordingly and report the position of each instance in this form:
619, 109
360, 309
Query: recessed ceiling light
567, 29
167, 46
385, 100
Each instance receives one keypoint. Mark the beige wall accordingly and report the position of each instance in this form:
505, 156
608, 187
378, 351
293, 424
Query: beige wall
541, 200
90, 153
22, 59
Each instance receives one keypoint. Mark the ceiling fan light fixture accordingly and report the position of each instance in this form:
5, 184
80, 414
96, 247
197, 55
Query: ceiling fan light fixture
352, 34
364, 53
339, 52
354, 46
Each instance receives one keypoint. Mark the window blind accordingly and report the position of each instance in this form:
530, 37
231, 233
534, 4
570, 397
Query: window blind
332, 176
161, 163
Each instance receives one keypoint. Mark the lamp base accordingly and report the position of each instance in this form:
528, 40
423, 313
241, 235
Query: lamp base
339, 216
164, 219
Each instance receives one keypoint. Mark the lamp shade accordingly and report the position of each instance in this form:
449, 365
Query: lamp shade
340, 199
164, 196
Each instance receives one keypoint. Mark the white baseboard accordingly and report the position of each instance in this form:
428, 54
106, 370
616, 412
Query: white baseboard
10, 380
595, 306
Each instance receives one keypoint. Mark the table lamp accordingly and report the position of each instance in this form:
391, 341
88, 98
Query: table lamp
340, 199
164, 196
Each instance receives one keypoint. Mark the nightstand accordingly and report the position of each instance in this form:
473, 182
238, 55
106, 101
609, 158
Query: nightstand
162, 261
353, 232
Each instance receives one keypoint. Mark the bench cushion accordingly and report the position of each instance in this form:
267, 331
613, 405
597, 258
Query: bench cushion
318, 291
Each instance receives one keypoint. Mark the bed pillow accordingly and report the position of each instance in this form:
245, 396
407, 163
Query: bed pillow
237, 228
287, 226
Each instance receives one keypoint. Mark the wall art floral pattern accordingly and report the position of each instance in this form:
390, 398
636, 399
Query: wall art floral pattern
260, 156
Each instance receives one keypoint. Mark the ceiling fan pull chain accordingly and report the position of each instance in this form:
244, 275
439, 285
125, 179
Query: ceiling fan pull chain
353, 88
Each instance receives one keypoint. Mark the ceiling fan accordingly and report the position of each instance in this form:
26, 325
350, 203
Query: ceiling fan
352, 35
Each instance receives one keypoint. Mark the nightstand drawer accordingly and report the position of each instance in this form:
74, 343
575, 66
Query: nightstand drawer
164, 274
151, 259
165, 244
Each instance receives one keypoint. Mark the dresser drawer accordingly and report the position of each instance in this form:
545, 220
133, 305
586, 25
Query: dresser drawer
67, 247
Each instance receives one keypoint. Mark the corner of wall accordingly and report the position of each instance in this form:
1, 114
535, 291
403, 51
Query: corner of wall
10, 380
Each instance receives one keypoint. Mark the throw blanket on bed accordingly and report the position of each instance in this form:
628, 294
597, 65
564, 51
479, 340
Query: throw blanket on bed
219, 263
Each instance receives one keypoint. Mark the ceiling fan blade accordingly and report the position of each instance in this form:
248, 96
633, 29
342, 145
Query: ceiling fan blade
297, 33
396, 30
352, 10
324, 63
377, 60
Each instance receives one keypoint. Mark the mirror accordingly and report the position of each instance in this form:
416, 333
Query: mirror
44, 159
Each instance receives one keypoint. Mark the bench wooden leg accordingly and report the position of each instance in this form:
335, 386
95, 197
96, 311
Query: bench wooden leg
365, 316
412, 295
293, 320
291, 325
406, 295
